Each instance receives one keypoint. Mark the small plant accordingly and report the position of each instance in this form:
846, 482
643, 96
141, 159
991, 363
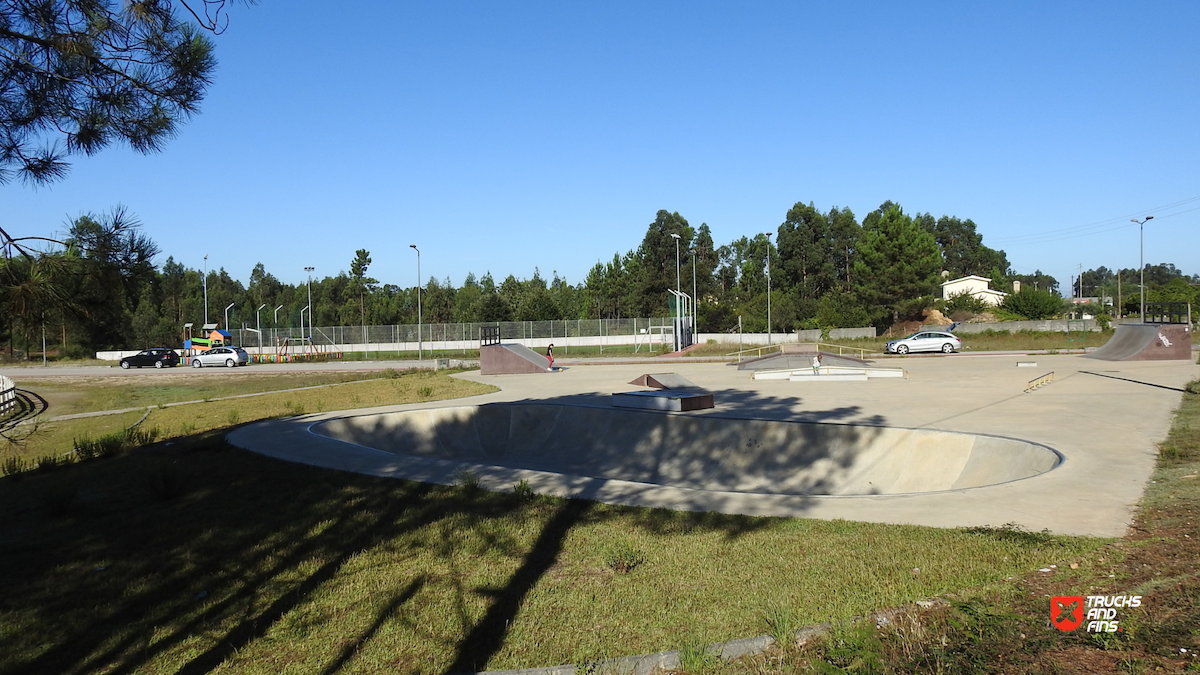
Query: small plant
782, 625
187, 429
233, 417
294, 408
13, 466
523, 492
138, 437
467, 480
425, 392
49, 462
624, 558
853, 647
697, 657
391, 373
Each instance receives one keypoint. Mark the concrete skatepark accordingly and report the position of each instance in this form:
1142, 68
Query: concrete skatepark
931, 449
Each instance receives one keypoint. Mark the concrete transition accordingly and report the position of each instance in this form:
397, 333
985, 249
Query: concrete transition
1147, 342
511, 359
669, 391
698, 453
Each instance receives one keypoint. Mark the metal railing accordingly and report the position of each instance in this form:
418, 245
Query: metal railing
817, 347
1038, 382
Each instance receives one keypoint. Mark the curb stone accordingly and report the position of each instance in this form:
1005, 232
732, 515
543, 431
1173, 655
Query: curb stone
646, 664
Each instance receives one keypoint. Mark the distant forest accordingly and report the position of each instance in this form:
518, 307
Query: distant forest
100, 288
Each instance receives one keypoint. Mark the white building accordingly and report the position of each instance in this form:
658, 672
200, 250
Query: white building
973, 285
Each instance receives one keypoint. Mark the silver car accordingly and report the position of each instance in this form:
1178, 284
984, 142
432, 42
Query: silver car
220, 356
925, 341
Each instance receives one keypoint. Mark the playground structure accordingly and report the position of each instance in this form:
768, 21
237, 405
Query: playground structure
210, 337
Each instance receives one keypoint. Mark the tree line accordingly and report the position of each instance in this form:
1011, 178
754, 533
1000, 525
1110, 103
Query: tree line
100, 287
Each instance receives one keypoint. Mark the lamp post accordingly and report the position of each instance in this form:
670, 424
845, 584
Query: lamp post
205, 280
768, 289
227, 315
258, 326
275, 327
1142, 261
309, 271
419, 353
678, 308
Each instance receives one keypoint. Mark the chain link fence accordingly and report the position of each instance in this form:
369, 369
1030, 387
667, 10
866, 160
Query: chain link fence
460, 334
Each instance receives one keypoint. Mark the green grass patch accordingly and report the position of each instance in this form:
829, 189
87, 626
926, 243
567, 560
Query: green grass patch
197, 555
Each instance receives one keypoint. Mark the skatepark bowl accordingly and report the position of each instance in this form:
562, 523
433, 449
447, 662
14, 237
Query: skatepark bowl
708, 453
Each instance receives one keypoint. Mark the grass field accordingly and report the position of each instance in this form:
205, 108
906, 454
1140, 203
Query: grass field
193, 557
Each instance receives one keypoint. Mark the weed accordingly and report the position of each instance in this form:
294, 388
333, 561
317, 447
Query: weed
13, 466
294, 408
1193, 387
1012, 532
233, 417
467, 480
392, 373
137, 437
782, 624
696, 658
852, 647
187, 428
624, 558
523, 491
50, 462
425, 392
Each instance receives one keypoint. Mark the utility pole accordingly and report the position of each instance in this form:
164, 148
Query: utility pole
414, 247
1142, 261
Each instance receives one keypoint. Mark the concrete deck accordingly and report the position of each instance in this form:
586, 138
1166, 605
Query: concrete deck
1103, 418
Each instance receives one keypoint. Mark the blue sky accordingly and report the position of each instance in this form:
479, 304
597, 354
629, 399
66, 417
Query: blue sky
505, 137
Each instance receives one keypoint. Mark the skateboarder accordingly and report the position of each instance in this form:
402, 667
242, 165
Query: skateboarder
816, 363
550, 355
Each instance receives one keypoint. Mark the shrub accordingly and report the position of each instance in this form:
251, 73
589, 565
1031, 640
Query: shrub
1034, 303
782, 625
965, 302
425, 392
13, 466
467, 480
523, 491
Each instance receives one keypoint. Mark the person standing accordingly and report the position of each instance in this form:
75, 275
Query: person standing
816, 364
550, 354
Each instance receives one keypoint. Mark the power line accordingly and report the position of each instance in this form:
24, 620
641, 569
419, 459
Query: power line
1097, 227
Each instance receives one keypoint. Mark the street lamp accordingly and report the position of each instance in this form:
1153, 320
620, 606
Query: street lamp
309, 270
205, 280
678, 308
1142, 260
414, 247
227, 315
695, 298
768, 289
258, 326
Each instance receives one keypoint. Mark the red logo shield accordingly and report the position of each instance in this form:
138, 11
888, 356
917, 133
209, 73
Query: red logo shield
1066, 612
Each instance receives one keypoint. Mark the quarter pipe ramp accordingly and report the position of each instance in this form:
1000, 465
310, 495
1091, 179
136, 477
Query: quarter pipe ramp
1146, 342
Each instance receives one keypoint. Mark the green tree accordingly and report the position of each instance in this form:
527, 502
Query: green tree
1034, 303
897, 266
87, 73
360, 284
805, 254
963, 252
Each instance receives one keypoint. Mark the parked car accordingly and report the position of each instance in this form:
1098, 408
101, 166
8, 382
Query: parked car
159, 357
221, 356
925, 341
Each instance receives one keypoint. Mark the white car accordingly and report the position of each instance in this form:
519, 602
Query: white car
925, 341
220, 356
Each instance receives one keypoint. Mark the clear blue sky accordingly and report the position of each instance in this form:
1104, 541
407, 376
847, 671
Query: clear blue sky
505, 137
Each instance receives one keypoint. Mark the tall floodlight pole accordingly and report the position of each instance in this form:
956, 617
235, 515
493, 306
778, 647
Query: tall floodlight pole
695, 298
414, 247
768, 289
308, 270
678, 308
1142, 260
205, 289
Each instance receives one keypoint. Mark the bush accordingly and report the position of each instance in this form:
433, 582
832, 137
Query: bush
624, 558
13, 466
1034, 304
965, 302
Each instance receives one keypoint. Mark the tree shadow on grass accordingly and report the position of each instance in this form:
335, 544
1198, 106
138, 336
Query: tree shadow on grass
130, 579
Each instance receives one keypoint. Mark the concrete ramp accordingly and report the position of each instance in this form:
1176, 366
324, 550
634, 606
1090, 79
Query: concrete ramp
511, 359
1146, 342
663, 381
699, 453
